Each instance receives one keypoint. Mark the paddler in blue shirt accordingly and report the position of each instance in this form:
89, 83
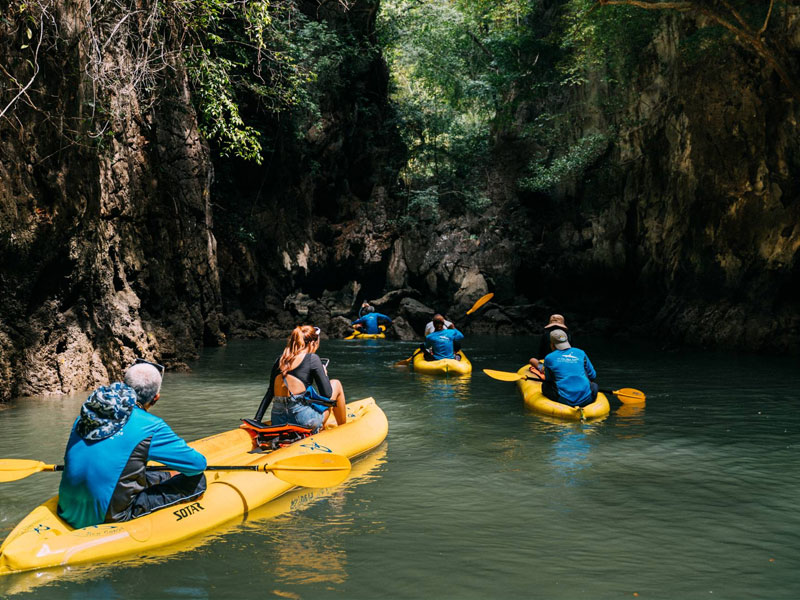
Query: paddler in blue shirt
569, 374
441, 341
369, 322
105, 478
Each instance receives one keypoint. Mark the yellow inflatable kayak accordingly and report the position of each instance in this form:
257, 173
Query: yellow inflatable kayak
364, 470
357, 335
538, 402
444, 366
42, 539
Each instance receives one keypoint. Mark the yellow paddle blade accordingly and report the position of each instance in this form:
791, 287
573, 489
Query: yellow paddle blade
630, 396
503, 375
12, 469
311, 470
480, 302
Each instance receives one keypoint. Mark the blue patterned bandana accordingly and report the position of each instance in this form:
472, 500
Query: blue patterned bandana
106, 411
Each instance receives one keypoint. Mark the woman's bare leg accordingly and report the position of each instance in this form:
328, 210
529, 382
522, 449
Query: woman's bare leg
340, 410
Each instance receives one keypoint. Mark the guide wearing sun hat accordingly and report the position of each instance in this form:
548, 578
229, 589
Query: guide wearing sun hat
556, 322
569, 374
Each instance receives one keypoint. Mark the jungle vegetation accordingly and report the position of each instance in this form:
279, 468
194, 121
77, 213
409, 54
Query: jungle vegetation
464, 73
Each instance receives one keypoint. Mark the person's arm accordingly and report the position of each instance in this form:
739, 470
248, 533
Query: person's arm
428, 329
382, 316
359, 321
173, 452
262, 408
319, 376
589, 367
544, 345
428, 343
457, 335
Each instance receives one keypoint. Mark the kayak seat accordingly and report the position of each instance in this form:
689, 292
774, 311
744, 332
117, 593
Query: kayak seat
274, 436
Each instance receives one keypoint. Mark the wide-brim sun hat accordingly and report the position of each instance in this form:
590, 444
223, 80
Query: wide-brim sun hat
556, 321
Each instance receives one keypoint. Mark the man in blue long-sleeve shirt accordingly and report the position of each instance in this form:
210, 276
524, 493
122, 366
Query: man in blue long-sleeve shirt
105, 478
441, 341
569, 374
369, 322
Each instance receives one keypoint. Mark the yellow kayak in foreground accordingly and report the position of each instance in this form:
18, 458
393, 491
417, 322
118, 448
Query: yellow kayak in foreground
538, 402
443, 366
42, 539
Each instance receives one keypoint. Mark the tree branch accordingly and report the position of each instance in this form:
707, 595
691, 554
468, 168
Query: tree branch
682, 6
766, 19
35, 67
744, 34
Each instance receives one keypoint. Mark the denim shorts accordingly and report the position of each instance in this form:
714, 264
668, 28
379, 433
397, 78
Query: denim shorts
288, 410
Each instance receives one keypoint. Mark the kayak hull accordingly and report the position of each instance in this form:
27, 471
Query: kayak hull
537, 402
357, 335
444, 366
42, 539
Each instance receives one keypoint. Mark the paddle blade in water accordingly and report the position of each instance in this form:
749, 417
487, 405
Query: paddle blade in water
503, 375
312, 470
630, 396
12, 469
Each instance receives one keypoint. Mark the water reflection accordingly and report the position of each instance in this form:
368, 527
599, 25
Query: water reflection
630, 421
572, 445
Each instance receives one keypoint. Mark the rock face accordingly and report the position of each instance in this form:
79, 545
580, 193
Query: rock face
685, 227
106, 241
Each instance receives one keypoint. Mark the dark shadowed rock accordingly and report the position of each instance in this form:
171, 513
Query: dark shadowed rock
416, 313
342, 302
389, 303
402, 330
298, 304
339, 328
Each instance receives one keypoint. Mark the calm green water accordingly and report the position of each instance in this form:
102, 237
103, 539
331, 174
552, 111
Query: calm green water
473, 497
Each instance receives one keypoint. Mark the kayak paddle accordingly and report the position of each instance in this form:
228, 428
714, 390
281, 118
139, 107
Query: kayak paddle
305, 470
625, 395
478, 303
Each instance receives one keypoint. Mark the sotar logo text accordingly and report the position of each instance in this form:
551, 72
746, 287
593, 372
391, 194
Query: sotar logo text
187, 510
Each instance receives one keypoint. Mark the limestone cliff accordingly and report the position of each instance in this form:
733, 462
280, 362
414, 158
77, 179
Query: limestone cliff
105, 233
684, 226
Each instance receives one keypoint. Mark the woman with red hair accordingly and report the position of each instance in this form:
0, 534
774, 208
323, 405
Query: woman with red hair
293, 374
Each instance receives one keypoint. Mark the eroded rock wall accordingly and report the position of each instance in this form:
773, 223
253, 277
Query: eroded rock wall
105, 235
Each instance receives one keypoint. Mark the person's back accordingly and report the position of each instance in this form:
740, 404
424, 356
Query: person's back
569, 374
101, 477
105, 478
441, 342
370, 321
294, 373
430, 327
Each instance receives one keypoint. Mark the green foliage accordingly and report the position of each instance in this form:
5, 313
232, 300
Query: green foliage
445, 93
219, 112
607, 40
547, 174
260, 55
462, 69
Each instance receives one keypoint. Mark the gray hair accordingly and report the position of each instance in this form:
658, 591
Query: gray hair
145, 381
